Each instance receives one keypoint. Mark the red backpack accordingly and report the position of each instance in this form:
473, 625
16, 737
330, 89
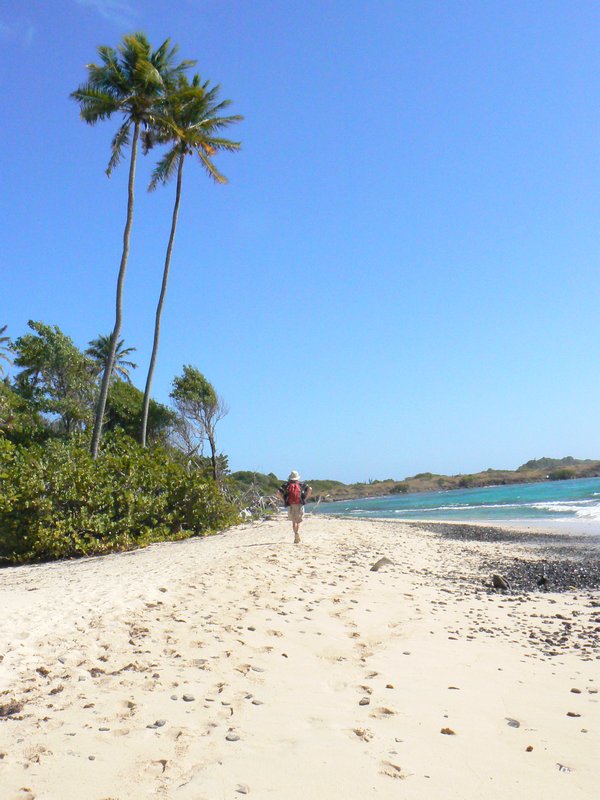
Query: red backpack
293, 494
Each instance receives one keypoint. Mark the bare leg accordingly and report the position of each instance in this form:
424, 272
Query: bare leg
296, 529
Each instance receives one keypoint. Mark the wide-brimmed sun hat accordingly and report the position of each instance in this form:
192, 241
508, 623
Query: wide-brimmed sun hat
294, 476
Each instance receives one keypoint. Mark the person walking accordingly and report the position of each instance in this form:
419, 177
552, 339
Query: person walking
295, 493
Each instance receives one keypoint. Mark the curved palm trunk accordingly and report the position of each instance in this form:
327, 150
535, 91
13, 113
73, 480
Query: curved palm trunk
119, 300
161, 301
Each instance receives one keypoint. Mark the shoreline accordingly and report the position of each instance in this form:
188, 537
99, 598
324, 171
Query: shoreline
306, 674
585, 527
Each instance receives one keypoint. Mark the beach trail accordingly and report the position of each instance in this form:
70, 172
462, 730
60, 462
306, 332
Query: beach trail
244, 664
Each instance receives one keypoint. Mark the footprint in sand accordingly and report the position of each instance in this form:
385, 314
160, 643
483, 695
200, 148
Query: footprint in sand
382, 713
391, 770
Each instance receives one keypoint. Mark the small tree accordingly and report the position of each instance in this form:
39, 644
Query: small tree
200, 409
124, 410
99, 352
55, 376
19, 420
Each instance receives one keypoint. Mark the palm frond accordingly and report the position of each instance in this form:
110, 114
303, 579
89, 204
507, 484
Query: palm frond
224, 144
147, 75
188, 116
4, 342
94, 105
120, 140
166, 167
211, 169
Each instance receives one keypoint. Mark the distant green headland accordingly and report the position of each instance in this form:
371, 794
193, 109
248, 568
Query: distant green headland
540, 469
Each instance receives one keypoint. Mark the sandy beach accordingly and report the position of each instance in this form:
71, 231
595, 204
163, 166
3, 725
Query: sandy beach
242, 664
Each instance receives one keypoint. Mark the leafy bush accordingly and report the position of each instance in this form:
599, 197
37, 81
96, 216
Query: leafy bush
263, 484
19, 420
56, 502
562, 474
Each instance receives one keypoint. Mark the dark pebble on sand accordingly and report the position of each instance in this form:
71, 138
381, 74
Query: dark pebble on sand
566, 561
10, 708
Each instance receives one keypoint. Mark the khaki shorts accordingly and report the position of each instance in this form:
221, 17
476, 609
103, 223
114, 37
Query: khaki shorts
296, 513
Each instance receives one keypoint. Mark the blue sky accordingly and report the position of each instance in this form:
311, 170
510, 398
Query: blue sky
401, 275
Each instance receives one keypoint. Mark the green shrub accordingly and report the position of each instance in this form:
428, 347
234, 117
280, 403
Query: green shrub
562, 474
56, 502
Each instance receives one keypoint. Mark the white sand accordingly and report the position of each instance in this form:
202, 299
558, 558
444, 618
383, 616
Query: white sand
277, 644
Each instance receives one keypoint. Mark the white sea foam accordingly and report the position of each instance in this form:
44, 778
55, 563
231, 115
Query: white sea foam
584, 509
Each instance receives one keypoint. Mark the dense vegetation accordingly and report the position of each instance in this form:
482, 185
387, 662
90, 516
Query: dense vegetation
56, 500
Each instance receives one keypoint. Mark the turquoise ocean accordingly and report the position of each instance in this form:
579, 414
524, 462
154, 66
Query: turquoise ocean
571, 504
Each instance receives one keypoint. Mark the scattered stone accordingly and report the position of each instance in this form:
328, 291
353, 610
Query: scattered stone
389, 686
232, 737
576, 691
43, 671
529, 748
160, 723
10, 708
242, 788
162, 589
573, 714
103, 729
448, 732
364, 701
188, 698
513, 723
256, 702
174, 697
91, 758
257, 669
381, 563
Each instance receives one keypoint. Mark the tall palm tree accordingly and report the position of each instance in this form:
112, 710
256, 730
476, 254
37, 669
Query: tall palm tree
129, 81
4, 348
99, 352
190, 122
